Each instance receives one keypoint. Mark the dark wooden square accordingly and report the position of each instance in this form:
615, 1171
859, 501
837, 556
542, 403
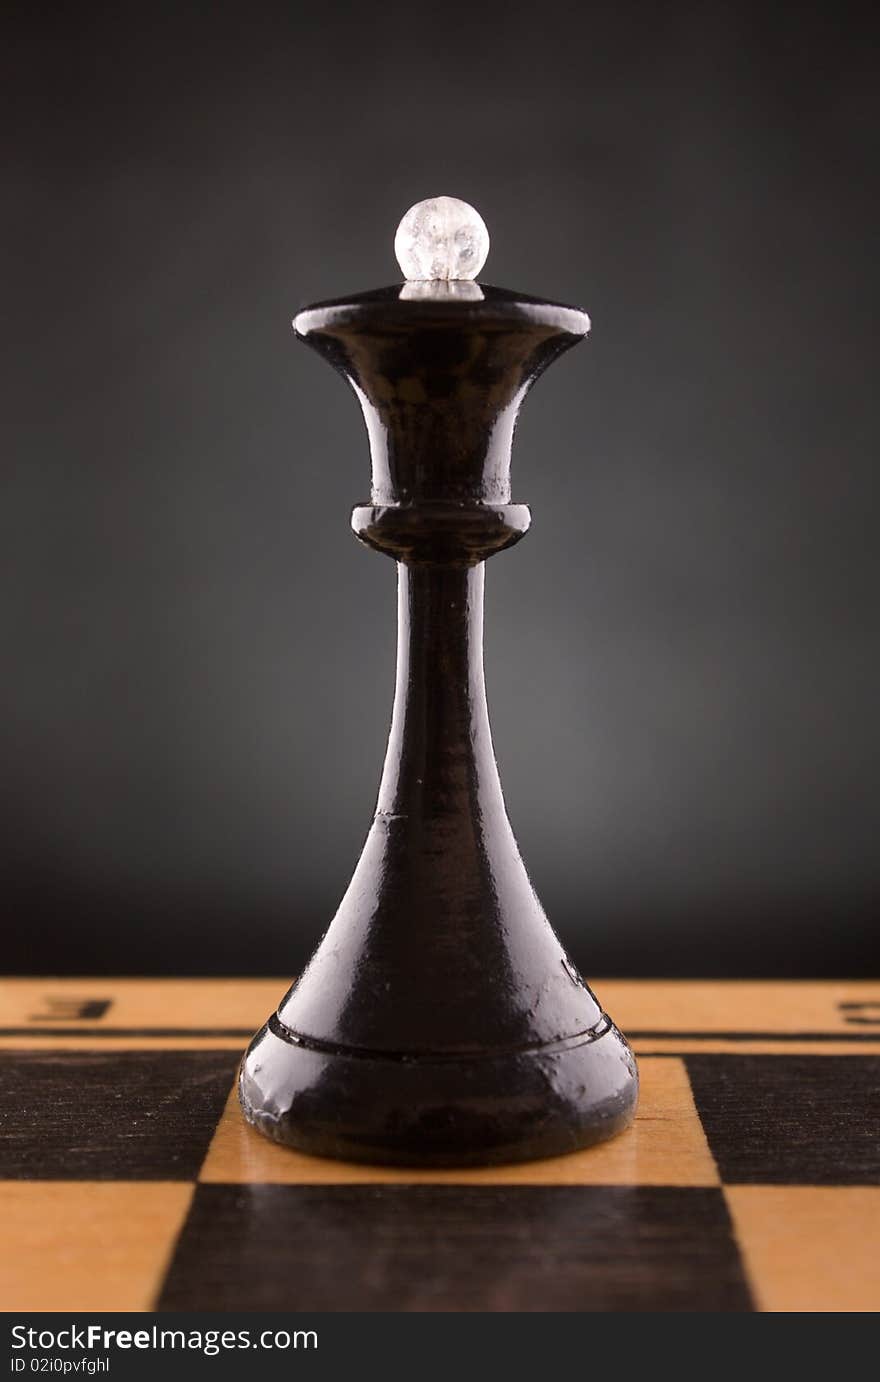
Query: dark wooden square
456, 1248
114, 1115
790, 1120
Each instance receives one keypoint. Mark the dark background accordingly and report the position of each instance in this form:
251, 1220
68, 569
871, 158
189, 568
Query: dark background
682, 657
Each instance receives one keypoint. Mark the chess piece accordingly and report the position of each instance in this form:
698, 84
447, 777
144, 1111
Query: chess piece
440, 1022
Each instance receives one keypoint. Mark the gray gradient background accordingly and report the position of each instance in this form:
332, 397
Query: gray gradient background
681, 657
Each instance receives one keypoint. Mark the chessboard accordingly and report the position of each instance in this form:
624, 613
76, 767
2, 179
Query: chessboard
129, 1180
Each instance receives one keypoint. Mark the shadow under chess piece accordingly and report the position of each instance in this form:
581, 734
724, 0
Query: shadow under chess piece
440, 1022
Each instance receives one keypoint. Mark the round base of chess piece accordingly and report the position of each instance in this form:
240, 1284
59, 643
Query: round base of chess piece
484, 1108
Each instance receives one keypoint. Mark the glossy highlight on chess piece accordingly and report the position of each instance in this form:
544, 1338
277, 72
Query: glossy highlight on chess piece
440, 1022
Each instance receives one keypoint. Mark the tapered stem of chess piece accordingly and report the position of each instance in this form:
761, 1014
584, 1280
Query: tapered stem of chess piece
440, 1022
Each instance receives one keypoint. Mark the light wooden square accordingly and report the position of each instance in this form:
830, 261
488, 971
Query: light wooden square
809, 1248
87, 1245
666, 1146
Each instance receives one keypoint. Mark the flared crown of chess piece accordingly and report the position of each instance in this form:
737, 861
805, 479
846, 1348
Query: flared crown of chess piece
440, 1021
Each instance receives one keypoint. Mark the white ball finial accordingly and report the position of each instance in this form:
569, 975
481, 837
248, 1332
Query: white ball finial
441, 239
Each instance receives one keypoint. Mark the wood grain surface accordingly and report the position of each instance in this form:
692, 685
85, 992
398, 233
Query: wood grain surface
129, 1181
